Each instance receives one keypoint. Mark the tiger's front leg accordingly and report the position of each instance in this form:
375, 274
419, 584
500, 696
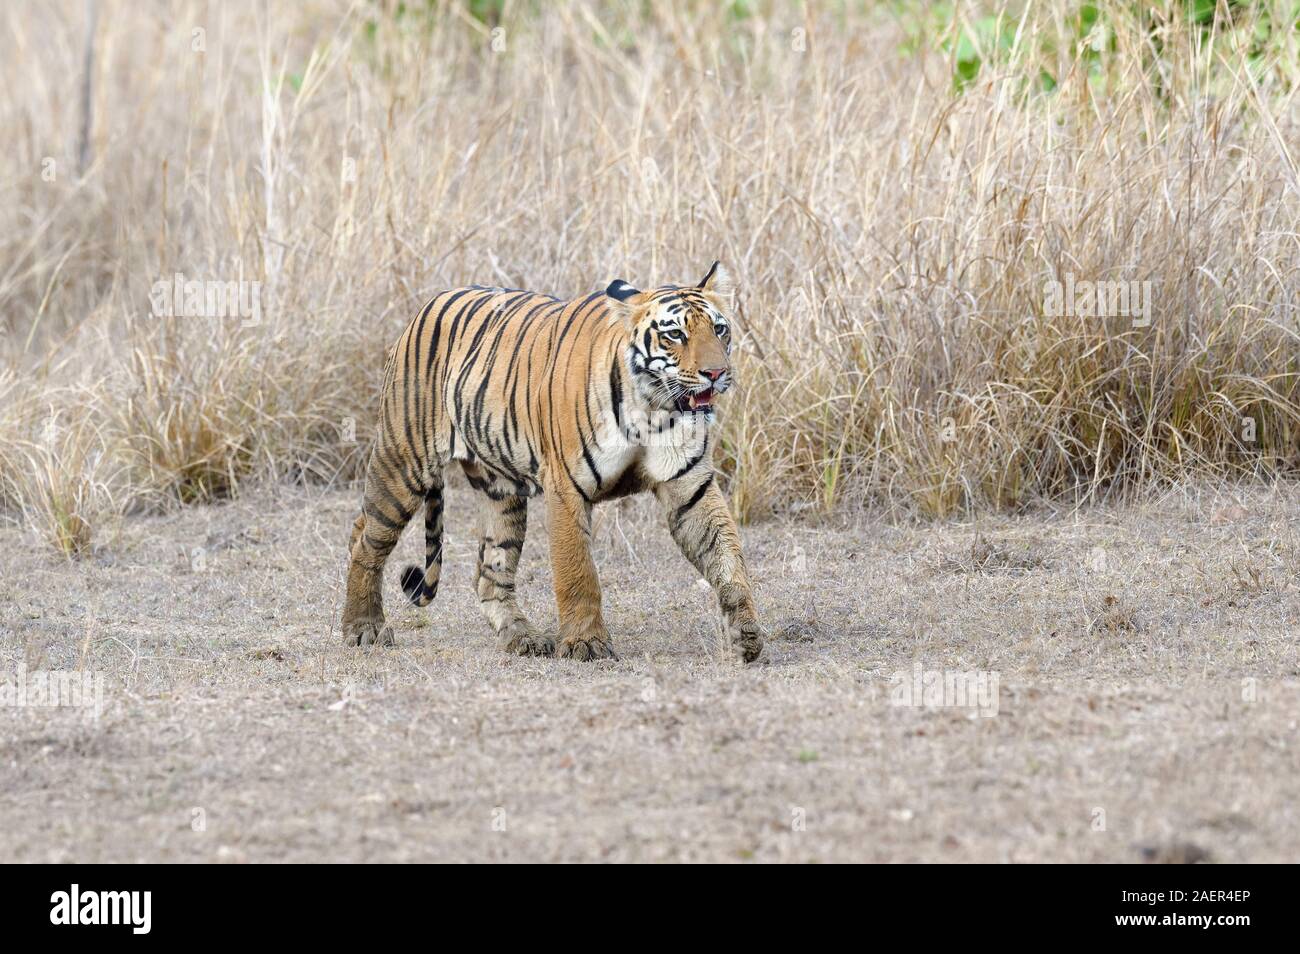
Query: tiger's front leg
701, 523
577, 589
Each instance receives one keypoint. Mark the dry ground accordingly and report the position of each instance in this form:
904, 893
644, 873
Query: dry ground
1122, 639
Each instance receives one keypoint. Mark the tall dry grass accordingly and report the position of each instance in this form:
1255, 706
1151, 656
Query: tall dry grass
893, 185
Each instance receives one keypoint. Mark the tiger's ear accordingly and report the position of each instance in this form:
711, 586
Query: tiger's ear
623, 300
717, 280
620, 290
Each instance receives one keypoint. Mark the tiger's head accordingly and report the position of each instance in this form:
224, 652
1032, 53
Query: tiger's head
679, 347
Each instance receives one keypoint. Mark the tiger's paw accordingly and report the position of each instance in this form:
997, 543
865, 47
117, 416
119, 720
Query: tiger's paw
746, 640
368, 632
586, 648
522, 640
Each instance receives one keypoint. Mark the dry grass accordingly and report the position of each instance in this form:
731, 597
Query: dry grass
991, 556
893, 233
895, 186
229, 699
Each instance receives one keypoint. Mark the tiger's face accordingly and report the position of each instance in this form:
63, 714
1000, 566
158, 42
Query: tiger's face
679, 350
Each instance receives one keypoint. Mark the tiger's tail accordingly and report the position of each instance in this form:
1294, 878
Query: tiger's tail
421, 587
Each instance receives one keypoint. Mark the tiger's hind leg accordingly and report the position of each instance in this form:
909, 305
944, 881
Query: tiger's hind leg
504, 523
391, 498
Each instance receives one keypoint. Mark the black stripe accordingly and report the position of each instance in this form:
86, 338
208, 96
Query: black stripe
586, 451
713, 539
691, 465
685, 508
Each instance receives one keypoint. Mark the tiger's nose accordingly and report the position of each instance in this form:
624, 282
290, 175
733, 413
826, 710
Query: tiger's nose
713, 373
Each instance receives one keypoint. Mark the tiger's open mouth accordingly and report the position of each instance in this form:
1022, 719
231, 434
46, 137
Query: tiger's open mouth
696, 401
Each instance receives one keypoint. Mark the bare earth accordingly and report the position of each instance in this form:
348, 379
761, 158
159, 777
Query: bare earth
1147, 708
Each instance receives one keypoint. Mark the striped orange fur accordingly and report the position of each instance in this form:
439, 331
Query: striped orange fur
584, 401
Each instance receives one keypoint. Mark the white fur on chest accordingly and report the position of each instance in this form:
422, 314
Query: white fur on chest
660, 445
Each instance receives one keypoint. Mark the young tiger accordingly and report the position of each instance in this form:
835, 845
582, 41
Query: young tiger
585, 401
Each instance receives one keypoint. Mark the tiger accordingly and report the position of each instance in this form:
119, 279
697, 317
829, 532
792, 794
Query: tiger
583, 401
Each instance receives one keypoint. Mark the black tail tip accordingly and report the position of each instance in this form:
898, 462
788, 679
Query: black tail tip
413, 582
